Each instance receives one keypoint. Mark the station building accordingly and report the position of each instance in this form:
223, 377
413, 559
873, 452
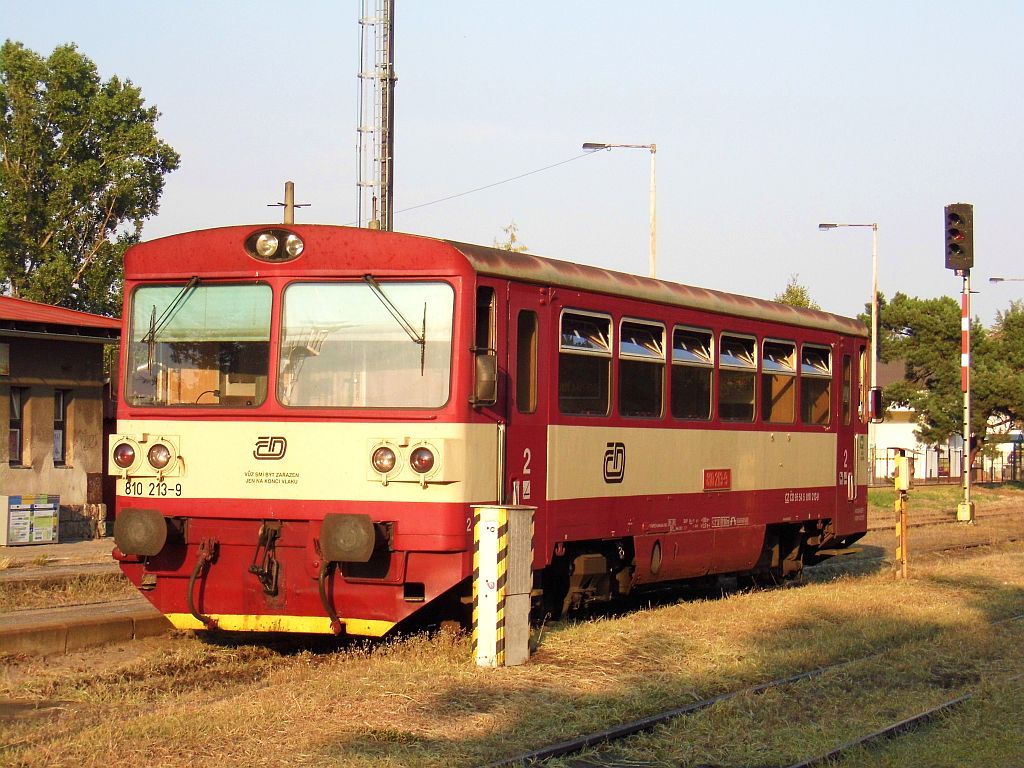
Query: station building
52, 410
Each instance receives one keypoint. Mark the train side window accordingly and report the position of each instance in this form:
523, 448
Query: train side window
778, 381
815, 385
847, 390
862, 382
737, 364
584, 364
484, 337
641, 369
526, 361
693, 368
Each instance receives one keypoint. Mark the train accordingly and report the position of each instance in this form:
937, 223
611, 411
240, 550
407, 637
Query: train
308, 414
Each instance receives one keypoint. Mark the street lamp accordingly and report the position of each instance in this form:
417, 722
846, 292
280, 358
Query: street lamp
593, 147
874, 327
1006, 279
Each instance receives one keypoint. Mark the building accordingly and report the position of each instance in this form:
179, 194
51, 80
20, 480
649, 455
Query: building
1002, 459
52, 426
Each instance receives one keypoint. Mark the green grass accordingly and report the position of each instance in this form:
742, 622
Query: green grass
944, 498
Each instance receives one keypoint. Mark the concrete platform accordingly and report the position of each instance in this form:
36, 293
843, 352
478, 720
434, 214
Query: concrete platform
46, 631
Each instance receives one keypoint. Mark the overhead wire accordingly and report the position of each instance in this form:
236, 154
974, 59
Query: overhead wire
495, 184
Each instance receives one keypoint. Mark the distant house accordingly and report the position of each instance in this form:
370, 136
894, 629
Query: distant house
51, 430
943, 460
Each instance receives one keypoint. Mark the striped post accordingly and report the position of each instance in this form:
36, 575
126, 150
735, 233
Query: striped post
965, 509
502, 579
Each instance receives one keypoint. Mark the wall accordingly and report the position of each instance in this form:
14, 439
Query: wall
45, 365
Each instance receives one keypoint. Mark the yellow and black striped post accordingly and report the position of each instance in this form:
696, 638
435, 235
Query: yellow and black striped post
502, 580
901, 480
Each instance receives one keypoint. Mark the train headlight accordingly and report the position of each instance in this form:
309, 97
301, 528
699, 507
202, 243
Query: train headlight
421, 460
159, 456
266, 245
384, 460
293, 245
274, 245
124, 455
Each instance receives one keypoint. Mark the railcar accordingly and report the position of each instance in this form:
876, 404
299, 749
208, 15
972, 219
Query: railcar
307, 415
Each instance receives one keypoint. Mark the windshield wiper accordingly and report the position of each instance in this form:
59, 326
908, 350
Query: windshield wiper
419, 338
157, 324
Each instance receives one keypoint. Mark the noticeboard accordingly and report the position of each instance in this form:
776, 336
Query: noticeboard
29, 519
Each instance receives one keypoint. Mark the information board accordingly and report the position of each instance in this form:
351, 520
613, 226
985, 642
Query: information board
29, 519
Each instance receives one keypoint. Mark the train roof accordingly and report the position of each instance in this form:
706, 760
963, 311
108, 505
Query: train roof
538, 269
335, 250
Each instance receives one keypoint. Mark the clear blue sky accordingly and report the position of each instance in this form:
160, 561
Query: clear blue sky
769, 118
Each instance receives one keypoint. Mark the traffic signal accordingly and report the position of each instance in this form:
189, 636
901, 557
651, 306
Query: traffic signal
959, 236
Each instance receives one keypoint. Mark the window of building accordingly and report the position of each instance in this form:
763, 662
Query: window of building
737, 363
641, 369
61, 402
526, 362
778, 381
584, 364
17, 454
693, 368
815, 385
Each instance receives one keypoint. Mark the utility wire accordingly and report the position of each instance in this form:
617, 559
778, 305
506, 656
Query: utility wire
495, 184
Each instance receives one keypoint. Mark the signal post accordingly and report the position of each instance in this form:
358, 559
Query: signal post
959, 221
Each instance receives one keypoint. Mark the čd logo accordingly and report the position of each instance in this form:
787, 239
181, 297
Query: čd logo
270, 447
615, 462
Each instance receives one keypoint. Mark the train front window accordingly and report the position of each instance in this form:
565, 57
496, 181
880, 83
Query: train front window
199, 345
369, 344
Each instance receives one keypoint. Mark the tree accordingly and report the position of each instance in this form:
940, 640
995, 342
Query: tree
81, 167
796, 295
512, 240
925, 333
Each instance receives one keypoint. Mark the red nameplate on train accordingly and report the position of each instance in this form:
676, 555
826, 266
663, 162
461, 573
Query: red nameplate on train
717, 479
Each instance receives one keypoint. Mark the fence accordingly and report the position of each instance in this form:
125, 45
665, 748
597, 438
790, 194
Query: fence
943, 465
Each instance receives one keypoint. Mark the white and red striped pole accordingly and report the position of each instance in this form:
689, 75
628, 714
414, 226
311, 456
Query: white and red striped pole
965, 509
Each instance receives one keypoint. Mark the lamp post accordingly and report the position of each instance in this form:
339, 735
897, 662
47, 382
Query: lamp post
593, 147
1006, 279
874, 326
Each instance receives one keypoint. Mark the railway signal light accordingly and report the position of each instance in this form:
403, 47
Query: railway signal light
959, 236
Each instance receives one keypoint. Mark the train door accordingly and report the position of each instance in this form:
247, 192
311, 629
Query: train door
527, 411
849, 488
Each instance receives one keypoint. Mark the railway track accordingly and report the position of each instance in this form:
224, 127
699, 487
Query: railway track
624, 731
947, 520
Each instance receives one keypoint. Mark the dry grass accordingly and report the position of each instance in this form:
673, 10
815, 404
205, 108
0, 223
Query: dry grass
421, 702
71, 591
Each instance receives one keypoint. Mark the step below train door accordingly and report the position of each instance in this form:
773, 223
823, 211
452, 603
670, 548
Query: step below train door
528, 377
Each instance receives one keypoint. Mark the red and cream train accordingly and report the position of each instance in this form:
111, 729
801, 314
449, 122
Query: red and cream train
308, 413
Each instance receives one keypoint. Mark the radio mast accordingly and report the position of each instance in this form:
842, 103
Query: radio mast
376, 114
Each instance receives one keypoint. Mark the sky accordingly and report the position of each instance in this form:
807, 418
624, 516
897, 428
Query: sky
769, 118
